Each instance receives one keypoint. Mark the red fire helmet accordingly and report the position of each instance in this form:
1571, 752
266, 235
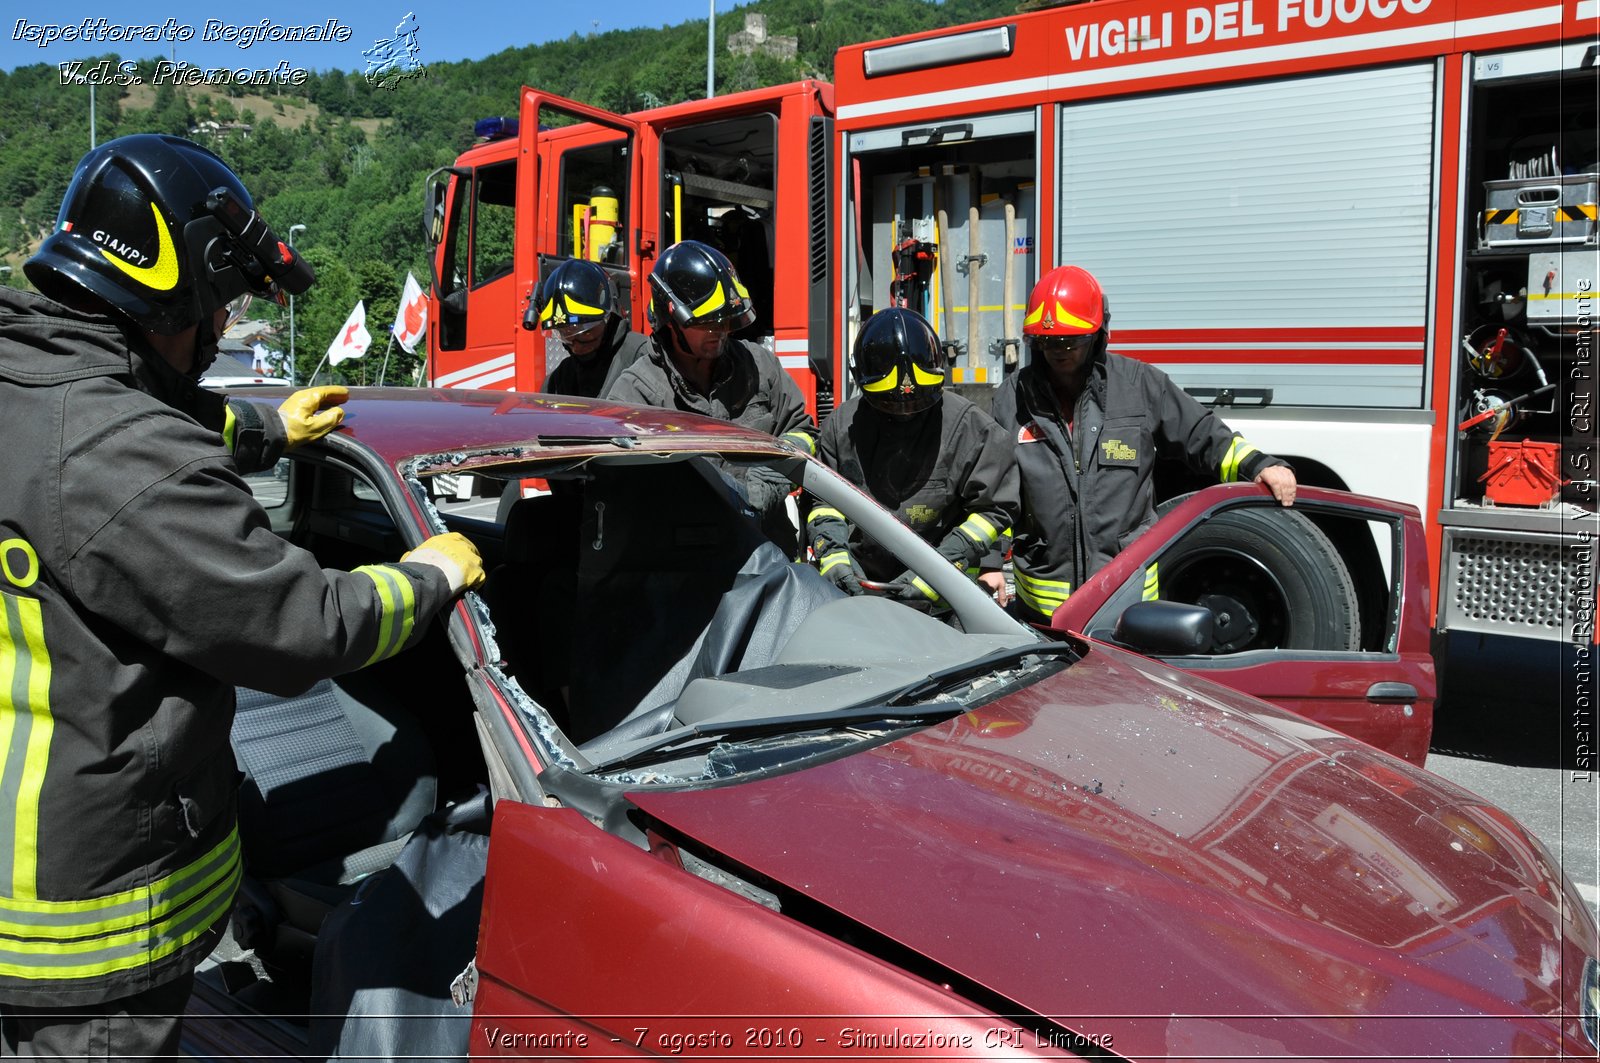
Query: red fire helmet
1067, 301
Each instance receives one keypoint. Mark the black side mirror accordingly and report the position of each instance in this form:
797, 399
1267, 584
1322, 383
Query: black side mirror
1165, 628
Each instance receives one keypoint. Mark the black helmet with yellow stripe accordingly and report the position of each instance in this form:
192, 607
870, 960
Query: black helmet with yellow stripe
694, 285
577, 293
161, 230
898, 363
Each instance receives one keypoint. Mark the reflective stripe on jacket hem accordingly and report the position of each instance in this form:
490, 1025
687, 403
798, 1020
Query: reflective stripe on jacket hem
54, 940
1041, 595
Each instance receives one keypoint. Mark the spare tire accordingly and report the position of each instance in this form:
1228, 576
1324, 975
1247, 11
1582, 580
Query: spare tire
1272, 579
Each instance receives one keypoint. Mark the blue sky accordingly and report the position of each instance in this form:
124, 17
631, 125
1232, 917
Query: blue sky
445, 31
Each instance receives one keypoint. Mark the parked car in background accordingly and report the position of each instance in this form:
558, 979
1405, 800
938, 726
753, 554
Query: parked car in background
231, 381
659, 789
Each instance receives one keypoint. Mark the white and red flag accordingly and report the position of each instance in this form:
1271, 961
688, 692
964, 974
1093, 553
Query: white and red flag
411, 320
353, 338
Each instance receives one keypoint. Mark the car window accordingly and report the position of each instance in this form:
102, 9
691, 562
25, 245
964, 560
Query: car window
1306, 578
270, 486
635, 598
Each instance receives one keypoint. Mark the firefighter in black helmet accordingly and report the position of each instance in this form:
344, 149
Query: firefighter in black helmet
139, 584
940, 463
578, 302
695, 364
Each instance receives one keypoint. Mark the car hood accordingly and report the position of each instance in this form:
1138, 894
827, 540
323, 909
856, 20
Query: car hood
1127, 850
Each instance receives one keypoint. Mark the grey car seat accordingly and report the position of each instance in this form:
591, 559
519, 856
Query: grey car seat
335, 781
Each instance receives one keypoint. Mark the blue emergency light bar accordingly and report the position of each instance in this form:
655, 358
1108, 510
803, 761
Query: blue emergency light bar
495, 128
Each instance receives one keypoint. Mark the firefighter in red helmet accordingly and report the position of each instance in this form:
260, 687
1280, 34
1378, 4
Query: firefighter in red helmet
943, 466
1088, 425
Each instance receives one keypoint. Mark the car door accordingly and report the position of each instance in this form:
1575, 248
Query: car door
1321, 609
593, 946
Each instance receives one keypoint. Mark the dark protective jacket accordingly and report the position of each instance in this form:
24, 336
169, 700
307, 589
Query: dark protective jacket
1086, 488
139, 583
592, 375
947, 473
749, 387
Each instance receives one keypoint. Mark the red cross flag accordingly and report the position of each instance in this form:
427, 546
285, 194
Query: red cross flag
353, 338
411, 320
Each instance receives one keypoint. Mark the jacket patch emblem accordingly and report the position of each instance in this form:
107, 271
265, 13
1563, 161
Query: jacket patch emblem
922, 514
1117, 450
1029, 433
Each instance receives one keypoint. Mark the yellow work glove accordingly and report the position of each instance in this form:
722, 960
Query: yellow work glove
311, 414
453, 554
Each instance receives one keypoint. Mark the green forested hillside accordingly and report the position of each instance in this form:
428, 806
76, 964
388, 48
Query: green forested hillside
347, 160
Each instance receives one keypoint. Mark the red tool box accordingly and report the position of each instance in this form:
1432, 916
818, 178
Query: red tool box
1522, 473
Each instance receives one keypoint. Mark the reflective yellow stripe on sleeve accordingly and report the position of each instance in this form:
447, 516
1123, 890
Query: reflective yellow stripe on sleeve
824, 513
978, 528
230, 425
1238, 450
838, 557
1152, 584
802, 440
398, 603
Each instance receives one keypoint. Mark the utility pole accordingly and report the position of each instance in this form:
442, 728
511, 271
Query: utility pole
711, 51
292, 230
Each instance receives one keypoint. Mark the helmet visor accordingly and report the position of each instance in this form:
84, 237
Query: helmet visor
236, 308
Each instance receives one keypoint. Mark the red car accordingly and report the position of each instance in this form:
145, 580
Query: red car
660, 790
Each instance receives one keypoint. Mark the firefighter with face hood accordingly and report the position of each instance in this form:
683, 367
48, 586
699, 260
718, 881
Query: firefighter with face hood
140, 583
695, 364
578, 302
1088, 426
942, 465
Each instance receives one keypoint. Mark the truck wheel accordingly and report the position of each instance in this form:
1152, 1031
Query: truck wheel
1272, 579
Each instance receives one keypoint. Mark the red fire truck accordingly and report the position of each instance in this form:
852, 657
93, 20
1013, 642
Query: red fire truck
1363, 229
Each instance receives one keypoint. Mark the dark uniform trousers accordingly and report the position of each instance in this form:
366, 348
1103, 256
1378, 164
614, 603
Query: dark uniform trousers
143, 1026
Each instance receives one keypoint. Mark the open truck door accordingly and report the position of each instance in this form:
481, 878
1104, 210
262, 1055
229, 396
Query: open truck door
1322, 608
555, 182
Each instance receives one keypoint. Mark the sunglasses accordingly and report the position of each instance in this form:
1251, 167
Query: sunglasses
1063, 345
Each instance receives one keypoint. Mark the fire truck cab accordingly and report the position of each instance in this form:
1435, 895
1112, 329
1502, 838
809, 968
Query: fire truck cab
564, 180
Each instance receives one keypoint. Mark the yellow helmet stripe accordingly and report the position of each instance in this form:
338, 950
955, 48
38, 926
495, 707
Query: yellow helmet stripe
1035, 315
888, 383
548, 312
714, 301
163, 276
1067, 317
575, 307
921, 376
